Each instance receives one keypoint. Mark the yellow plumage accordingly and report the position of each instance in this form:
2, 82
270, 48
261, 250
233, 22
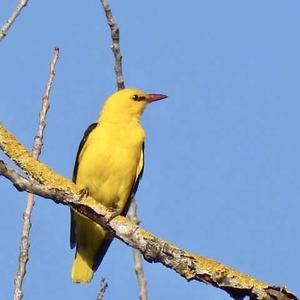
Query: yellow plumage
108, 166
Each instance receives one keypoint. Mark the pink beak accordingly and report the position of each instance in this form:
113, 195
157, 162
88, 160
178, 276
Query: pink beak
154, 97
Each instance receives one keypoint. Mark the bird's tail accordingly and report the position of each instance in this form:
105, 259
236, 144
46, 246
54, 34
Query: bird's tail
92, 242
82, 271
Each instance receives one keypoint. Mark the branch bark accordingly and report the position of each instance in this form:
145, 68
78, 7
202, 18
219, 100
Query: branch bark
37, 147
3, 31
49, 184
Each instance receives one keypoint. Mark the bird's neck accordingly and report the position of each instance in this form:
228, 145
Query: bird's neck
117, 120
129, 132
118, 117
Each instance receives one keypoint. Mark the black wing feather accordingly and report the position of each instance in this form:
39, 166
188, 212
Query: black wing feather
82, 143
136, 184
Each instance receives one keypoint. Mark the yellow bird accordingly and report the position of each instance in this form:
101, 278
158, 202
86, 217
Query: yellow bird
108, 166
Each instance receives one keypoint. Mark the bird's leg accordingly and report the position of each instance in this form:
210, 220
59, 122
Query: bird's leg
83, 193
116, 211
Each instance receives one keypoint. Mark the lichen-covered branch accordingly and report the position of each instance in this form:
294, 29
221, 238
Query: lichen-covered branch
188, 265
3, 31
38, 142
138, 265
115, 36
24, 159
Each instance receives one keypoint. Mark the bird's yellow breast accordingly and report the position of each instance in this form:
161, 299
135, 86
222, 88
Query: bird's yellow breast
109, 160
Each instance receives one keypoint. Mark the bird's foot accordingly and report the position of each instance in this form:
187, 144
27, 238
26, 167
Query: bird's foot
83, 193
116, 211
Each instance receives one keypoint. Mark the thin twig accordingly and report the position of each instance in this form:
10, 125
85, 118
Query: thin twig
36, 151
132, 213
103, 287
115, 36
3, 31
138, 265
190, 266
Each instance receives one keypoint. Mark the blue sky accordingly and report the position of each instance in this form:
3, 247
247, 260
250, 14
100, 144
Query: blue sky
222, 152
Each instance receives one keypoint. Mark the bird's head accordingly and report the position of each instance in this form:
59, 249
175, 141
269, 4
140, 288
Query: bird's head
126, 105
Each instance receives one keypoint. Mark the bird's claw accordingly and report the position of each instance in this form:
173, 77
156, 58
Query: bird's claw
83, 193
116, 211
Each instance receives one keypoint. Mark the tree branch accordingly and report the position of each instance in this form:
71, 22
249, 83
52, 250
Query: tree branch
138, 266
49, 184
115, 36
12, 18
38, 142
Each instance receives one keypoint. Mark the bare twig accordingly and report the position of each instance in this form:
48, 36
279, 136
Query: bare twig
36, 151
115, 36
3, 31
132, 213
49, 184
138, 266
103, 287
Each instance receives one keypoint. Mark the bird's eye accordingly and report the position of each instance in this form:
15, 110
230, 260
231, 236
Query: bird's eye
138, 97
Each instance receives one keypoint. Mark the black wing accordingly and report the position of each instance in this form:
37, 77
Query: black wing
81, 145
85, 137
